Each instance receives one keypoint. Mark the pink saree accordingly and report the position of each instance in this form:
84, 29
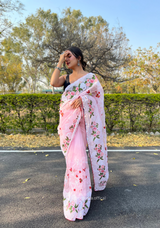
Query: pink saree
77, 127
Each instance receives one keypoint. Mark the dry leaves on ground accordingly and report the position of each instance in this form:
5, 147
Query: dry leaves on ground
42, 140
133, 140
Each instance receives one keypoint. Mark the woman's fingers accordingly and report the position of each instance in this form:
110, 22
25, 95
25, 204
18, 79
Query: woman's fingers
76, 103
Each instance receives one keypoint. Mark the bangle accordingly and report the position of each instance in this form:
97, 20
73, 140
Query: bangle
58, 68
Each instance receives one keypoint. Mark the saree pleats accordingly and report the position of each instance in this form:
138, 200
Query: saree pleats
77, 183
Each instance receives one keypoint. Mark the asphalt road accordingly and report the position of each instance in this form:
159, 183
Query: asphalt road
120, 205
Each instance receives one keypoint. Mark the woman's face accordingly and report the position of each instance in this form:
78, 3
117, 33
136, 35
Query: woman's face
70, 59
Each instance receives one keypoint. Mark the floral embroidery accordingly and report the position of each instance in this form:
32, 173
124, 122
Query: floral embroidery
72, 127
61, 102
61, 113
85, 204
102, 171
99, 154
102, 183
95, 131
98, 94
89, 82
66, 143
75, 91
81, 86
91, 110
72, 206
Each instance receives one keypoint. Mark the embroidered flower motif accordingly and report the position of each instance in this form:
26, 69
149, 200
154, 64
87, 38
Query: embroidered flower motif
102, 171
99, 154
65, 144
102, 183
85, 204
91, 110
61, 113
83, 86
72, 206
89, 82
95, 131
72, 127
98, 94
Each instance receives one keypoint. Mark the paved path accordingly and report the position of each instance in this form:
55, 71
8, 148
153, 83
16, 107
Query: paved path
120, 205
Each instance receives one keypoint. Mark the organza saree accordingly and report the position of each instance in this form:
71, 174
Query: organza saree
77, 128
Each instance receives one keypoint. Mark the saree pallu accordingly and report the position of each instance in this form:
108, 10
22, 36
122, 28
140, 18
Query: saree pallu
78, 127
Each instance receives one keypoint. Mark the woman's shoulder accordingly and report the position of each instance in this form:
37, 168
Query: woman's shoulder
92, 74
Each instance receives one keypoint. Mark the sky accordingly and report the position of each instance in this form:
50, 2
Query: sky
140, 19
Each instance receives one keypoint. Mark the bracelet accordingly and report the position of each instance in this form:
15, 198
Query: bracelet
58, 68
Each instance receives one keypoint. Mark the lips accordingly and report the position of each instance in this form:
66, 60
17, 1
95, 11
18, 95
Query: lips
67, 64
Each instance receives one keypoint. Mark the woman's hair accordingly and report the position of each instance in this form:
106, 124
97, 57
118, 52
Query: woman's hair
77, 52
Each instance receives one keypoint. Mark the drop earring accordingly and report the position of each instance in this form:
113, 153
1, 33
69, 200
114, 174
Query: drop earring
78, 63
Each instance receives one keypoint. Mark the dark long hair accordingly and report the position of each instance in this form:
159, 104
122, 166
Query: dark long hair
77, 52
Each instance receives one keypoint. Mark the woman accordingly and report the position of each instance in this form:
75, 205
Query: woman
82, 121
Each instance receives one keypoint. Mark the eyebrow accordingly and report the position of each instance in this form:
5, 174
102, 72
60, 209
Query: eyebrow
68, 54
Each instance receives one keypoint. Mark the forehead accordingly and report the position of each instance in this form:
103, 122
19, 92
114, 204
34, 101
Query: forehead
68, 53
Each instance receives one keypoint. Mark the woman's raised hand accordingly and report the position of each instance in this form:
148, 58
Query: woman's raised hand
63, 55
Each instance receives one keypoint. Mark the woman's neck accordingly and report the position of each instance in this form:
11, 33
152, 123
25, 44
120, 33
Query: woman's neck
77, 71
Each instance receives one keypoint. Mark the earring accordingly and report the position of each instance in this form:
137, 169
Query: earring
78, 63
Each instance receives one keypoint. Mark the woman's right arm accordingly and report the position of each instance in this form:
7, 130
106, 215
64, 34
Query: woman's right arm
57, 81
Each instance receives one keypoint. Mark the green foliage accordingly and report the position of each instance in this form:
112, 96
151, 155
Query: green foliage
133, 112
6, 7
43, 36
26, 111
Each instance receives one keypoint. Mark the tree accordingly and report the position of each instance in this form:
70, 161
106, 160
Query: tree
40, 40
104, 51
144, 68
24, 41
7, 6
11, 73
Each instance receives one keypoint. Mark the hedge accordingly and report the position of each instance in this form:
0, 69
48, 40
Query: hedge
124, 112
